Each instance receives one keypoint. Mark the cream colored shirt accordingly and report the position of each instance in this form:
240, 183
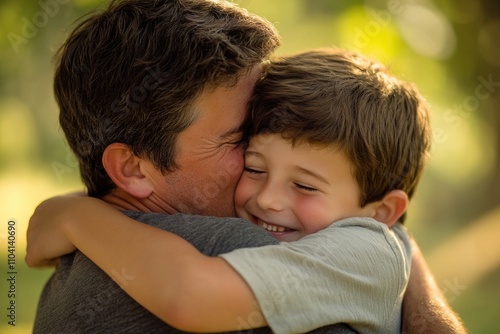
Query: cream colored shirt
355, 271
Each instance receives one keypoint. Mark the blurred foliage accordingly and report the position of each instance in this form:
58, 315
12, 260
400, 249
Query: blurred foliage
448, 48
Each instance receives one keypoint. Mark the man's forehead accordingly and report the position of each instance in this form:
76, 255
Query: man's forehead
224, 109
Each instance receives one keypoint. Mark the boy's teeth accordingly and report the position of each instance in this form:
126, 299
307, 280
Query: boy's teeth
272, 228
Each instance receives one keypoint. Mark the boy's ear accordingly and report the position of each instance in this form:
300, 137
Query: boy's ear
390, 208
126, 170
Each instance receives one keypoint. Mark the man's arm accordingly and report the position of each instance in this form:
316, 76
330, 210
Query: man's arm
425, 309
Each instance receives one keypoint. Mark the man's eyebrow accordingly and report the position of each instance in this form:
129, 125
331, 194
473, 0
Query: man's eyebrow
313, 174
231, 132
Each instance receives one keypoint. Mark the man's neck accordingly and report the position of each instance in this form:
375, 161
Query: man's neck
122, 200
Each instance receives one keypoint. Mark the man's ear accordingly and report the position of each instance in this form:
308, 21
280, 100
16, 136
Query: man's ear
126, 170
390, 208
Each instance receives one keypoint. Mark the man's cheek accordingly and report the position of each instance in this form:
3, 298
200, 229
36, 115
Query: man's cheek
235, 163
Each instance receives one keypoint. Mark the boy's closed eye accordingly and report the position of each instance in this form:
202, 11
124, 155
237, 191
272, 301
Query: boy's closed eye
306, 188
252, 170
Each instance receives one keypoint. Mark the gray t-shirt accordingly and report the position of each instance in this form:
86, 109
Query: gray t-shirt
355, 271
81, 298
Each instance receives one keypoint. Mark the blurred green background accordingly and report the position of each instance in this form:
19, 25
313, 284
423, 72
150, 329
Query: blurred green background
450, 49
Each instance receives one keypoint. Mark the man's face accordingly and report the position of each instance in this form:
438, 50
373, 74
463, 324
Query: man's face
210, 159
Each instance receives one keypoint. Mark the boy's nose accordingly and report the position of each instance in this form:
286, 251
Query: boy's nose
271, 197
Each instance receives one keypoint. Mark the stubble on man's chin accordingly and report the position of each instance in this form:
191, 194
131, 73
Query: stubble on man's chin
209, 209
228, 211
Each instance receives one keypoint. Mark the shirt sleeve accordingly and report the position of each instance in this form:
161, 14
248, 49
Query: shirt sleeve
355, 272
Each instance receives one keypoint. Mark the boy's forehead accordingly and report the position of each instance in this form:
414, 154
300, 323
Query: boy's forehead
259, 141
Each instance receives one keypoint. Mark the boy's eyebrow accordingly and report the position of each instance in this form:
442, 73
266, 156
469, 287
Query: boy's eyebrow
255, 153
311, 173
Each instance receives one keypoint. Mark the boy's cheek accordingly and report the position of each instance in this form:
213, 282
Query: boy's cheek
242, 194
314, 214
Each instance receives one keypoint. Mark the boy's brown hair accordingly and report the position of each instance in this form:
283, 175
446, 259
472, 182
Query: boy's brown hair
343, 98
130, 74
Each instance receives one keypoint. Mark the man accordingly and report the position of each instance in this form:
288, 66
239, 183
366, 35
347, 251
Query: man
152, 95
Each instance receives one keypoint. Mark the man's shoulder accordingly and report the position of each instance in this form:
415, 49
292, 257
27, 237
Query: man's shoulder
210, 235
158, 219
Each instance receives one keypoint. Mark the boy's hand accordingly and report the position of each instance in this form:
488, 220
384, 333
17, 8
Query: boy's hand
46, 238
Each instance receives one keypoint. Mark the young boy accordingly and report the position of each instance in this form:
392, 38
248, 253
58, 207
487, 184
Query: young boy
336, 149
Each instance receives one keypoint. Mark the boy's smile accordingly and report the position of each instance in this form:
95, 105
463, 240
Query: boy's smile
295, 190
271, 227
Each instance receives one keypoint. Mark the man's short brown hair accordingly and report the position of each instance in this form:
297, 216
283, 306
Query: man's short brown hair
130, 74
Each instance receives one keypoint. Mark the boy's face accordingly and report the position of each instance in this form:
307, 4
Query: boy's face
295, 191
